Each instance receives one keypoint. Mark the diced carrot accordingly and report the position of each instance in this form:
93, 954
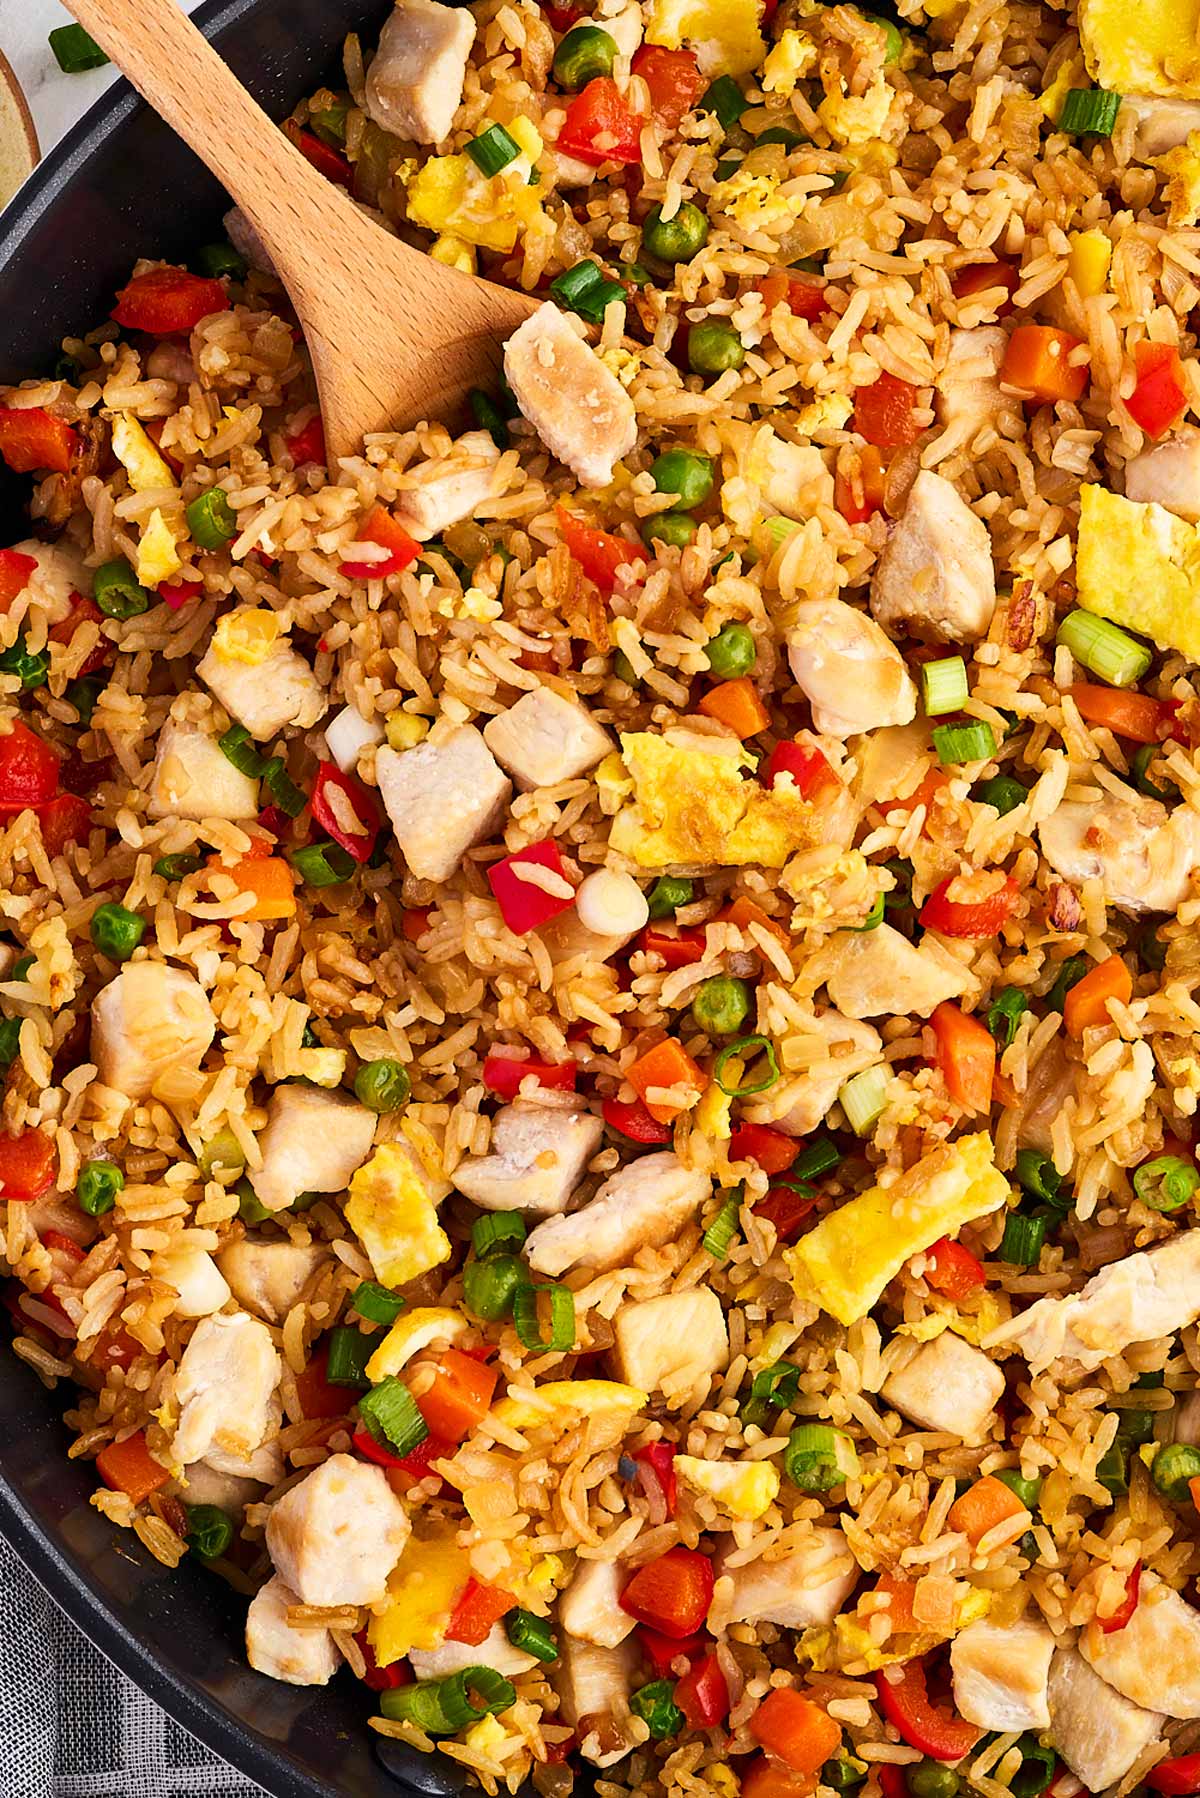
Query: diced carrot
1133, 715
272, 881
1086, 1003
900, 1594
795, 1730
982, 1506
666, 1064
737, 704
129, 1467
478, 1608
924, 795
743, 911
1194, 1489
966, 1056
459, 1398
858, 491
1036, 361
765, 1778
1003, 1090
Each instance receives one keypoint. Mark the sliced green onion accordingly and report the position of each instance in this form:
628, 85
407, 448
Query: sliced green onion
668, 894
390, 1412
175, 867
874, 917
773, 1388
30, 670
217, 259
251, 1209
349, 1352
441, 1707
10, 1042
1136, 1427
740, 1049
1089, 110
497, 1233
222, 1150
559, 1302
376, 1304
1139, 771
282, 788
576, 282
488, 416
211, 519
776, 531
900, 897
493, 150
863, 1098
1038, 1767
97, 1187
323, 864
944, 686
531, 1634
1024, 1236
237, 746
820, 1157
84, 693
1002, 791
1175, 1464
1166, 1183
843, 1773
721, 1232
1070, 971
655, 1705
955, 743
780, 134
490, 1287
1005, 1014
1026, 1490
725, 100
330, 123
209, 1531
818, 1457
75, 50
1103, 649
1112, 1470
116, 591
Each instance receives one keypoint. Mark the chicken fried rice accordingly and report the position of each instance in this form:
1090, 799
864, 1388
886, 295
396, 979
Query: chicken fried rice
599, 1005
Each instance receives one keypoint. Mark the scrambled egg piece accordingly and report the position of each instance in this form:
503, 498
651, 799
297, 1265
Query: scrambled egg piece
723, 33
412, 1332
455, 252
562, 1404
1087, 265
971, 1326
856, 118
846, 1645
793, 57
324, 1067
474, 603
158, 559
138, 456
423, 1589
742, 1488
392, 1211
828, 412
247, 635
691, 805
1139, 565
1071, 74
1151, 49
1181, 167
845, 1263
449, 195
753, 201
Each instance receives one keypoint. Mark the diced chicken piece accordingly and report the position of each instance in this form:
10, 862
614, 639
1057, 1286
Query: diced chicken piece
545, 738
538, 1156
194, 778
642, 1205
1142, 854
247, 242
415, 81
207, 1485
578, 408
267, 1277
146, 1021
449, 487
947, 1385
1186, 1419
171, 360
442, 799
935, 579
672, 1344
795, 478
808, 1585
590, 1607
201, 1286
969, 385
1001, 1672
1138, 1299
60, 572
1051, 1083
797, 1105
337, 1535
1168, 474
349, 732
299, 1657
495, 1651
851, 674
1155, 1657
594, 1685
225, 1386
1162, 125
264, 1465
879, 973
569, 172
314, 1141
1097, 1732
265, 696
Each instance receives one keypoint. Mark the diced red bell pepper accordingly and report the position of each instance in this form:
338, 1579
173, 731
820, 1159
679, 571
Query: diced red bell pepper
979, 277
415, 922
786, 1208
905, 1702
1177, 1777
656, 1465
676, 949
503, 1074
892, 1782
60, 1244
83, 611
661, 1651
15, 570
115, 1347
129, 1467
807, 766
317, 1397
418, 1464
807, 300
477, 1609
178, 594
324, 158
167, 302
523, 905
63, 820
27, 1165
308, 443
1160, 398
1128, 1605
377, 1678
771, 1149
673, 78
884, 412
702, 1694
600, 554
599, 126
329, 814
969, 918
561, 18
367, 1446
672, 1594
634, 1121
952, 1270
32, 439
859, 496
380, 527
28, 770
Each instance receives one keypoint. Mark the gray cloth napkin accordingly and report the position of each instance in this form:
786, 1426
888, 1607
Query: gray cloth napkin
72, 1726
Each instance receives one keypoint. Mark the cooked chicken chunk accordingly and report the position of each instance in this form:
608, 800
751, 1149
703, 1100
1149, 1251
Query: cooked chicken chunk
193, 778
673, 1344
935, 578
879, 973
537, 1159
1155, 1657
349, 733
947, 1385
851, 674
299, 1657
798, 1104
969, 393
337, 1535
146, 1021
314, 1141
1051, 1083
1001, 1672
1168, 474
494, 1651
225, 1387
207, 1485
545, 738
580, 411
1139, 1299
1162, 125
590, 1607
810, 1584
1098, 1733
448, 488
642, 1205
268, 1276
795, 478
594, 1685
1142, 854
263, 1465
171, 360
201, 1286
60, 572
266, 695
415, 81
442, 799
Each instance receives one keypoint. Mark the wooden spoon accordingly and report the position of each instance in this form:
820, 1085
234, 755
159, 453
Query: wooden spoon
394, 336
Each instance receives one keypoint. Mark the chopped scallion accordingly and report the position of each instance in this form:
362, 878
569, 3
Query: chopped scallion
490, 1287
497, 1233
721, 1232
558, 1316
1104, 649
376, 1304
493, 150
655, 1705
1089, 110
944, 686
390, 1412
75, 50
237, 746
282, 788
725, 100
740, 1049
1002, 791
863, 1098
1005, 1014
1024, 1236
442, 1706
819, 1158
818, 1457
349, 1352
955, 743
1166, 1183
531, 1634
323, 864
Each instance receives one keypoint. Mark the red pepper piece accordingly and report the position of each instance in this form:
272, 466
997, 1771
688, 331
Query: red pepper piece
671, 1594
83, 611
167, 302
308, 443
702, 1694
28, 770
503, 1074
971, 918
953, 1271
561, 18
657, 1462
786, 1208
178, 594
905, 1702
64, 820
371, 1450
884, 412
15, 570
324, 158
1176, 1778
673, 79
661, 1651
859, 496
317, 1397
381, 1679
1127, 1606
330, 815
32, 439
807, 766
415, 922
634, 1121
523, 905
478, 1608
380, 527
1160, 398
599, 127
676, 949
600, 554
771, 1149
28, 1163
978, 277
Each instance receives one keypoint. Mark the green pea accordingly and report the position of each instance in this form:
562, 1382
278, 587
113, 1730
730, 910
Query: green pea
584, 53
732, 651
722, 1005
1175, 1464
97, 1187
221, 1151
675, 239
1026, 1490
382, 1085
175, 867
668, 894
674, 528
116, 931
895, 39
251, 1209
684, 473
713, 346
30, 670
844, 1773
929, 1779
